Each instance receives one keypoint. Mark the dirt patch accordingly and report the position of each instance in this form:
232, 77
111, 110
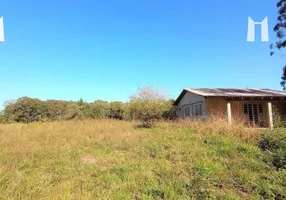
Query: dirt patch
88, 159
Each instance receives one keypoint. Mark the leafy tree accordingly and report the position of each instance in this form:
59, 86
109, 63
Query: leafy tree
117, 110
86, 109
283, 79
100, 109
7, 112
148, 105
171, 112
2, 118
55, 109
73, 111
279, 29
81, 102
25, 110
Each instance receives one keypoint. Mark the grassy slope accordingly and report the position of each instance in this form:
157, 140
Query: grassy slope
113, 160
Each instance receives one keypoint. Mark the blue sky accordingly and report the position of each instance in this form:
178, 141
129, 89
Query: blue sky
106, 49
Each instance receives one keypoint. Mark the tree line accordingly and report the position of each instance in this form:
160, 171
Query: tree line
147, 105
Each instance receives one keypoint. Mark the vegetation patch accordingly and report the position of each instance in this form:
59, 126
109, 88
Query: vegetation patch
111, 159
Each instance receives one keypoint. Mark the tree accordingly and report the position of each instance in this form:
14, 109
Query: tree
283, 81
279, 29
25, 110
73, 111
100, 109
5, 114
55, 110
148, 105
117, 110
171, 112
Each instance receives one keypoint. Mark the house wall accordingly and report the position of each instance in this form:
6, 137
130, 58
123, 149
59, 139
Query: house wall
191, 100
219, 107
279, 107
216, 106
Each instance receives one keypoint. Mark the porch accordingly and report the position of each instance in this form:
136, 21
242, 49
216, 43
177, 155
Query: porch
259, 112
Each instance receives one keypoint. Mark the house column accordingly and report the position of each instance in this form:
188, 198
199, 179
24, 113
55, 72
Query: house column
229, 118
270, 115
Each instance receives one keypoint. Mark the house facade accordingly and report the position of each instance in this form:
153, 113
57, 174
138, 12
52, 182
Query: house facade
254, 106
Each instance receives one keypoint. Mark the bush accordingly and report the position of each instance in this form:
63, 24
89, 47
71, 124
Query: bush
25, 110
73, 112
171, 113
54, 110
277, 119
279, 159
100, 109
117, 110
274, 142
148, 105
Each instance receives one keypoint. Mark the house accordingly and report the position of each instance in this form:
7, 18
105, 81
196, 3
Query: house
255, 106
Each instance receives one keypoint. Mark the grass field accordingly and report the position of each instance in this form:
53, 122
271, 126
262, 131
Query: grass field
105, 159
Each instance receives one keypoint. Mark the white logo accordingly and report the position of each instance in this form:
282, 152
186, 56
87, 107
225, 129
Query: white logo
251, 30
1, 30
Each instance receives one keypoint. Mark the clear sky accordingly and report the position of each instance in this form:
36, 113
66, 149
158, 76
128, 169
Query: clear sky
106, 49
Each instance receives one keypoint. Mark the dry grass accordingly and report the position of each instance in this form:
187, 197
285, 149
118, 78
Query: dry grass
106, 159
218, 125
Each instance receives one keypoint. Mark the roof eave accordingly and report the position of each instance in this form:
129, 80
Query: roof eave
248, 97
180, 97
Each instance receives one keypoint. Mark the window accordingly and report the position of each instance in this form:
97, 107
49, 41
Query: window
187, 110
198, 110
254, 113
260, 108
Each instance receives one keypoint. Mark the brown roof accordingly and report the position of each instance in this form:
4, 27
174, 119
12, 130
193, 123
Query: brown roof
233, 93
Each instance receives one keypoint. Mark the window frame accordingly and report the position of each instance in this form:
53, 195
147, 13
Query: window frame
200, 113
187, 110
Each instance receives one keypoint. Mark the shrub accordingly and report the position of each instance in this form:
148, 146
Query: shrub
279, 159
275, 143
100, 109
54, 109
171, 113
117, 110
277, 119
73, 112
274, 140
25, 110
148, 105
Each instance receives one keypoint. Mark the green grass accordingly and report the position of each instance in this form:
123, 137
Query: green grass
114, 160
